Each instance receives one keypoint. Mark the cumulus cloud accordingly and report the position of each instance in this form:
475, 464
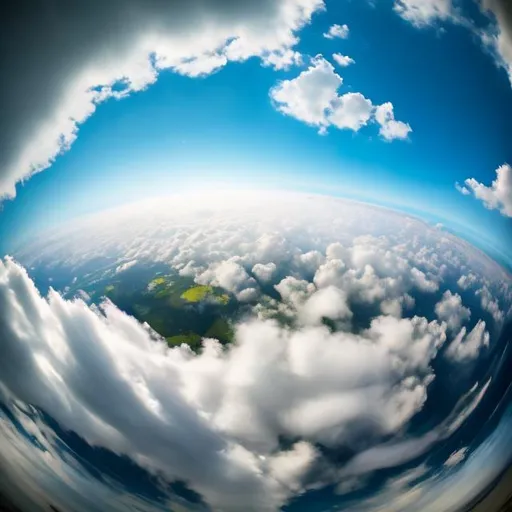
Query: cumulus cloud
466, 281
390, 128
343, 60
330, 303
309, 376
490, 304
497, 196
77, 56
264, 272
450, 310
77, 362
312, 97
466, 346
229, 275
351, 111
424, 12
337, 32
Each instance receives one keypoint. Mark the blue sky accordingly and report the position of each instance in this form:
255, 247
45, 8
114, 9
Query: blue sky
223, 130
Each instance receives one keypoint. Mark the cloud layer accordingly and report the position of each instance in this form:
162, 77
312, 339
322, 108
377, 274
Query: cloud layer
103, 375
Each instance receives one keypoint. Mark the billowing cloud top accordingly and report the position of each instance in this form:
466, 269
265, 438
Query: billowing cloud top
218, 420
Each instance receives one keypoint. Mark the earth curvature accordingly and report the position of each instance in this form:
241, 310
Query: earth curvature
287, 351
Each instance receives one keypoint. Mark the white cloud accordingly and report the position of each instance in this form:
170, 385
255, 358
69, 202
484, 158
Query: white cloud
497, 196
111, 51
351, 110
456, 457
337, 32
289, 467
312, 97
264, 272
466, 346
125, 266
343, 60
228, 274
297, 380
295, 291
450, 310
424, 12
229, 408
466, 281
330, 302
462, 189
499, 38
390, 128
490, 304
283, 59
422, 282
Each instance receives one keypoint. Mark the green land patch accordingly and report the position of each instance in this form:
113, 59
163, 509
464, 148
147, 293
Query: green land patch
192, 339
201, 292
221, 330
158, 281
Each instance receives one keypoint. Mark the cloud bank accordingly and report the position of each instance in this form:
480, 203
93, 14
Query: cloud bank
103, 375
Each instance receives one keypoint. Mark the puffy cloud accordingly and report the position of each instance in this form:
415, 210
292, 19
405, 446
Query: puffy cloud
312, 97
330, 303
466, 281
450, 310
309, 97
456, 457
390, 128
422, 282
490, 304
229, 275
264, 272
309, 262
424, 12
466, 346
351, 110
283, 59
357, 381
75, 57
295, 291
343, 60
101, 374
498, 196
337, 32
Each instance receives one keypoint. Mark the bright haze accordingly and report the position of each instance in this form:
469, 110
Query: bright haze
255, 255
